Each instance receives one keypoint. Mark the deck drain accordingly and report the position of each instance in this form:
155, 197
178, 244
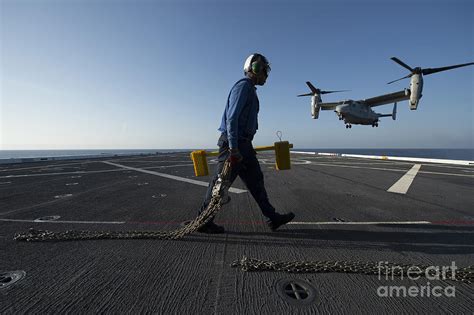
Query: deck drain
226, 200
296, 292
72, 184
5, 183
76, 176
10, 277
48, 218
133, 176
142, 184
339, 220
62, 196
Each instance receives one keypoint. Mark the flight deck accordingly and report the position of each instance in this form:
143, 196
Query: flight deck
347, 209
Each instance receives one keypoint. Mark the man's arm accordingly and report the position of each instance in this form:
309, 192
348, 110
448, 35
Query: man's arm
237, 99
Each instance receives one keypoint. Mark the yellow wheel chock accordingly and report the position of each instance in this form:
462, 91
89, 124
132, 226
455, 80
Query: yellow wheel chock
282, 157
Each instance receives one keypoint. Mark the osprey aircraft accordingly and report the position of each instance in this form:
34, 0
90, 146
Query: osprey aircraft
360, 112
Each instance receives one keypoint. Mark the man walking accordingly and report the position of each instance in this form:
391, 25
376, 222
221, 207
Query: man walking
238, 127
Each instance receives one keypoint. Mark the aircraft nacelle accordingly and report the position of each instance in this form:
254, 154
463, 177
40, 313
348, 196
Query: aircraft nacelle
315, 107
416, 89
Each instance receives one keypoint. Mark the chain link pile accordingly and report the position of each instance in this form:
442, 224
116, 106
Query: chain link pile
219, 194
385, 269
72, 235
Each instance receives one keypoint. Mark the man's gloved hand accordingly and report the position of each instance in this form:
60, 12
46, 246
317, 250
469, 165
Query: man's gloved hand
235, 157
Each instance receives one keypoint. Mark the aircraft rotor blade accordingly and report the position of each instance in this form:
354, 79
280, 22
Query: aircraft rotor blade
307, 94
401, 63
327, 92
407, 76
311, 87
434, 70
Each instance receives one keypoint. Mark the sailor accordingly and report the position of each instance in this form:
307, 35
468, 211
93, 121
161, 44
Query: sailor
238, 127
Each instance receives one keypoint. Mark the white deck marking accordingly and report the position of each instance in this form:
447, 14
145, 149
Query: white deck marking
167, 166
60, 221
46, 166
53, 174
182, 179
403, 184
155, 161
292, 223
392, 169
359, 223
360, 167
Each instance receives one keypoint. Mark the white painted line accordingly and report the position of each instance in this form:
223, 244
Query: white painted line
292, 223
449, 174
167, 166
390, 169
393, 158
182, 179
403, 184
361, 167
360, 223
45, 166
63, 196
74, 222
411, 159
157, 161
53, 174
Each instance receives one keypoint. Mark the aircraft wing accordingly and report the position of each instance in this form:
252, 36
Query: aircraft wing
387, 98
331, 106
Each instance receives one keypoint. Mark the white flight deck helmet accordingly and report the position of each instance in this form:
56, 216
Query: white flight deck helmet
256, 63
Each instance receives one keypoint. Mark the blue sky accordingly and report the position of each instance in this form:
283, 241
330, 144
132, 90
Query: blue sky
156, 74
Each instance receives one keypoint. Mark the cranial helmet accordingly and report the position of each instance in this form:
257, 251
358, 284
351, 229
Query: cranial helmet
256, 64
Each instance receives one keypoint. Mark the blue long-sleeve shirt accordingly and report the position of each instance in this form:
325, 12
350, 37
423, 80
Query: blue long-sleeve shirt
239, 120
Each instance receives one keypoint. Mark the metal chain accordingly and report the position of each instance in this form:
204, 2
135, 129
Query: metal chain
387, 269
219, 194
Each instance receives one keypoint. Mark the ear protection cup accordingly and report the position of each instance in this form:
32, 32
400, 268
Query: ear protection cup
256, 67
255, 64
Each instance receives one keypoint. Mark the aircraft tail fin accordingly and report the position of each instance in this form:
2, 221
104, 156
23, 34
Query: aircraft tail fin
393, 114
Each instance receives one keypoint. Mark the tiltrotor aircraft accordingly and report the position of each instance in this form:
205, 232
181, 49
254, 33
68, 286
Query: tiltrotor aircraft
360, 112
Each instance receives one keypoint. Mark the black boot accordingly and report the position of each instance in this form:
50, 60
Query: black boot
281, 219
211, 228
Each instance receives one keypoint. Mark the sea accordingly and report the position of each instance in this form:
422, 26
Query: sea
450, 154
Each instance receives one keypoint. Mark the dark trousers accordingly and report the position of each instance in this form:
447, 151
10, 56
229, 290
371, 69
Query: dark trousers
248, 170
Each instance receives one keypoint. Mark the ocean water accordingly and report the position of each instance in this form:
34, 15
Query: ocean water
451, 154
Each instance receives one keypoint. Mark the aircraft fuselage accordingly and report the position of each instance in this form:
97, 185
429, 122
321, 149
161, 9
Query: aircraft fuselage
356, 113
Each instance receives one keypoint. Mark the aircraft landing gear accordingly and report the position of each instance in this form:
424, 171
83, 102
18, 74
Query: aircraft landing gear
375, 125
348, 126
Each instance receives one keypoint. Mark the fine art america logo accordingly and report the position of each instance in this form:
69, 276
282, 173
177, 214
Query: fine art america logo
387, 272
